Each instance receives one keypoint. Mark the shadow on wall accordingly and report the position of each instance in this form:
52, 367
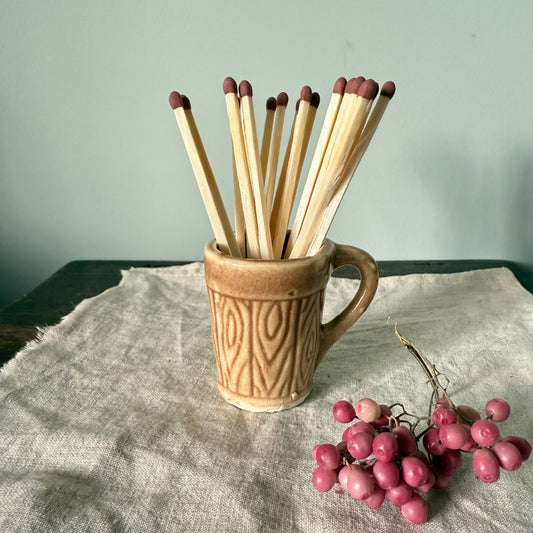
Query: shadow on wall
484, 205
19, 274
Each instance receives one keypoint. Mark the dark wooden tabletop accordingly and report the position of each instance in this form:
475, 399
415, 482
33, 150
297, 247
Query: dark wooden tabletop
58, 295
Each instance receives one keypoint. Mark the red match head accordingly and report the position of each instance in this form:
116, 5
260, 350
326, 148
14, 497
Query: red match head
352, 86
229, 85
368, 89
271, 104
282, 99
388, 89
245, 89
340, 85
306, 93
175, 100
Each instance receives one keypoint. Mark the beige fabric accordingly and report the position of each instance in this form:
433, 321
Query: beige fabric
112, 422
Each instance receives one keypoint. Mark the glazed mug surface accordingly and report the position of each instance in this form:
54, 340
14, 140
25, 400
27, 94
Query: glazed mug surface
266, 321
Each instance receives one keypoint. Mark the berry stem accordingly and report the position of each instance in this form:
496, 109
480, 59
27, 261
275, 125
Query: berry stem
429, 369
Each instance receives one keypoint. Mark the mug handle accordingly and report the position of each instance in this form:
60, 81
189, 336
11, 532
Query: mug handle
332, 331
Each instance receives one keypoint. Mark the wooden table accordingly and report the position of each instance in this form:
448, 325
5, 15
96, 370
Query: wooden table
77, 280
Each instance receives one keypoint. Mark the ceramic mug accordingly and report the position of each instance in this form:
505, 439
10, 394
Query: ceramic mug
266, 321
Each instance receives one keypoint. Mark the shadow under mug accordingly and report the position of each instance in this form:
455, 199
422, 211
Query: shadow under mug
266, 321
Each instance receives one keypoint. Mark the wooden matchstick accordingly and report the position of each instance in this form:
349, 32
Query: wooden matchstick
273, 158
240, 234
315, 102
330, 161
204, 175
387, 92
341, 148
262, 207
363, 103
267, 132
254, 166
241, 163
341, 122
325, 134
285, 194
283, 173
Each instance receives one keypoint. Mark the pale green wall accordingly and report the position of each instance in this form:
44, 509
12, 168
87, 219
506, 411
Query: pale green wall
92, 165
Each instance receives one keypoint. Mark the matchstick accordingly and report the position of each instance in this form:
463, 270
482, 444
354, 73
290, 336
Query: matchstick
284, 199
387, 92
325, 134
267, 132
254, 166
313, 107
283, 172
340, 126
341, 147
204, 175
241, 162
363, 103
330, 162
240, 234
273, 158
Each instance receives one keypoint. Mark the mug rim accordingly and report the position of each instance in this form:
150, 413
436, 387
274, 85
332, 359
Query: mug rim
212, 248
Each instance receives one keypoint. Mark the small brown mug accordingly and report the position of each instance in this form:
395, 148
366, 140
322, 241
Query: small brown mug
266, 321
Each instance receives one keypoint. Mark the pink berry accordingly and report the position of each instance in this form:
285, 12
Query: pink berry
414, 471
343, 475
447, 463
367, 410
416, 509
468, 413
508, 455
428, 485
432, 442
453, 436
360, 445
498, 409
400, 494
360, 484
469, 446
522, 444
328, 456
406, 440
324, 478
343, 411
385, 446
486, 465
485, 432
442, 416
386, 474
356, 428
376, 498
383, 420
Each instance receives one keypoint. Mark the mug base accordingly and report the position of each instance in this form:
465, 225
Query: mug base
263, 405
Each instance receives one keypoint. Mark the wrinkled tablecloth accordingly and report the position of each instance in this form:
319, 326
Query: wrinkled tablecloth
111, 420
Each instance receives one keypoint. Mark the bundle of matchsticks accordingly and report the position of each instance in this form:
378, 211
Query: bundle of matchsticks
264, 198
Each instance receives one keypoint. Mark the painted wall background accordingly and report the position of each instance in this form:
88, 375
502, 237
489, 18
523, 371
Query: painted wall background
92, 165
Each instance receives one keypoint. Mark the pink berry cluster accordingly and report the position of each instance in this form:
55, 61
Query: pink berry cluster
461, 428
378, 457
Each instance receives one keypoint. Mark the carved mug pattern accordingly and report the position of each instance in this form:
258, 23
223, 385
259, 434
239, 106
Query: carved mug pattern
266, 324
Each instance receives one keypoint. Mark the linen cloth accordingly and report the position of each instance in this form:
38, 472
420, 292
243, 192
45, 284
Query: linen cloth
111, 421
